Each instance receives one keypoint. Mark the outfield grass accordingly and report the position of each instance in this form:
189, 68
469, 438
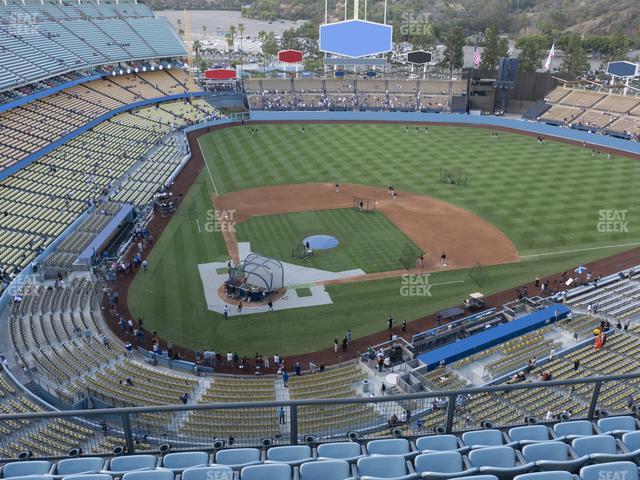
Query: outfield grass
546, 198
367, 241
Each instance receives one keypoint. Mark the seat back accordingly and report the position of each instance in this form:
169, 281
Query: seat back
180, 460
325, 470
237, 456
132, 462
502, 457
610, 471
574, 427
272, 471
489, 438
631, 440
217, 472
545, 476
288, 453
72, 466
476, 477
149, 475
440, 462
390, 446
440, 443
610, 424
339, 450
382, 466
529, 432
594, 444
555, 451
89, 476
31, 467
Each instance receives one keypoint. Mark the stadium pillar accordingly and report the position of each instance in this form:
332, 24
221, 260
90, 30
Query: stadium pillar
451, 410
294, 424
128, 435
594, 400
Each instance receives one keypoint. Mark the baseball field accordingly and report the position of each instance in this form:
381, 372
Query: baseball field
530, 209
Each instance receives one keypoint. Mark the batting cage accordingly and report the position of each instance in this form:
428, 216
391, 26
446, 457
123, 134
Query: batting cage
300, 252
364, 205
454, 176
259, 272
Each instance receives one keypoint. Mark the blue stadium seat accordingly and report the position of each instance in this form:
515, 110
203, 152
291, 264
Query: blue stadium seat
215, 472
21, 469
499, 461
149, 475
293, 455
178, 461
529, 434
238, 458
273, 471
130, 463
89, 476
600, 449
610, 471
441, 465
560, 475
390, 467
390, 446
483, 438
617, 425
439, 443
77, 466
552, 456
33, 477
573, 429
349, 451
327, 470
631, 441
477, 477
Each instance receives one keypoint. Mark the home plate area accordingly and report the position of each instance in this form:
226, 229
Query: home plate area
215, 274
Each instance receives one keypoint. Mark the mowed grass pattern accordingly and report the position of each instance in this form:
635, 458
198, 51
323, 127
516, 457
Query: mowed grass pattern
367, 240
545, 197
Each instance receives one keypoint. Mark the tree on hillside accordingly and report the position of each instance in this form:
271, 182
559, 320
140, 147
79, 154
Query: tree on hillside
204, 32
495, 47
532, 52
268, 44
453, 57
289, 40
575, 61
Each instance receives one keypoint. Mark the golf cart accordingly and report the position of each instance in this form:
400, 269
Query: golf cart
475, 301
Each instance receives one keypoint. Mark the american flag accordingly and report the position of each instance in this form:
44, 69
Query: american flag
477, 58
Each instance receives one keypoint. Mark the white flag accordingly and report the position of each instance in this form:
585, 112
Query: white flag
552, 53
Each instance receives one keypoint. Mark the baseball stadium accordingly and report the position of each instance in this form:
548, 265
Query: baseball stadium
375, 270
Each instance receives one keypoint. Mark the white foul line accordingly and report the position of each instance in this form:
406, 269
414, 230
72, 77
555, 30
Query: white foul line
211, 177
447, 283
206, 164
582, 250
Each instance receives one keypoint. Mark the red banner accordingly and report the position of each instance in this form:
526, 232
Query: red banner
220, 74
290, 56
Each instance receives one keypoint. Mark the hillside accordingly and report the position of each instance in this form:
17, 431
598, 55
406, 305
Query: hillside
517, 17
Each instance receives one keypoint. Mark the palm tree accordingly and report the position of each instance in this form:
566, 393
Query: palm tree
204, 32
229, 38
241, 29
232, 32
196, 47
